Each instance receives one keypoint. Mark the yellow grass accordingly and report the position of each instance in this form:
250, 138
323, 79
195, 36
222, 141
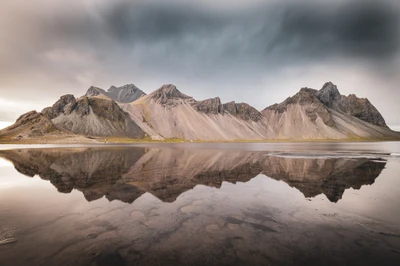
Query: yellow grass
100, 140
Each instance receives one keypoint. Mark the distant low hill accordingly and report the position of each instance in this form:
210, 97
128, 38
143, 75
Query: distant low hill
167, 113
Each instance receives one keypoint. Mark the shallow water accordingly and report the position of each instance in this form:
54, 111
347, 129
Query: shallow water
201, 204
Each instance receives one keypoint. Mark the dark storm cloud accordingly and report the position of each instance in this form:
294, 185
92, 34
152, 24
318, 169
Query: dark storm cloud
131, 22
284, 32
306, 29
258, 53
361, 28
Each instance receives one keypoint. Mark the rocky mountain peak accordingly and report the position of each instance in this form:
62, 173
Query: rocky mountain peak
171, 91
65, 105
126, 88
94, 91
125, 94
361, 108
167, 94
329, 95
307, 98
303, 97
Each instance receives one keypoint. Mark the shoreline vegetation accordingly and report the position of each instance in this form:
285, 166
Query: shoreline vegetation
121, 140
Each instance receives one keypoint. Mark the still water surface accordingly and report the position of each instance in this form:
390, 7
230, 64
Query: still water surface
201, 204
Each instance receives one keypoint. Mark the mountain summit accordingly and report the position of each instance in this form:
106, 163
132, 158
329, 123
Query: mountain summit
352, 105
167, 113
167, 95
124, 94
329, 95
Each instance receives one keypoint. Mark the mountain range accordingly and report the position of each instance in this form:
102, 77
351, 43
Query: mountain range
128, 113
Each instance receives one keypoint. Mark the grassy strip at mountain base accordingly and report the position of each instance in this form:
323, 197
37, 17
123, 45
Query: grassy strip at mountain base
75, 139
181, 140
53, 139
144, 140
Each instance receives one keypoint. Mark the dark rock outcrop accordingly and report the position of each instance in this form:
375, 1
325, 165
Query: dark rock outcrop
329, 95
95, 91
168, 94
352, 105
124, 94
65, 105
92, 116
243, 110
96, 117
361, 108
209, 106
31, 124
314, 107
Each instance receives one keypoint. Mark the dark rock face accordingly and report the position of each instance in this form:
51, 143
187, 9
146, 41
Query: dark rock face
102, 108
209, 106
303, 97
109, 116
124, 94
306, 97
83, 107
351, 105
230, 107
65, 105
167, 94
329, 95
89, 114
32, 124
241, 110
247, 112
94, 91
362, 109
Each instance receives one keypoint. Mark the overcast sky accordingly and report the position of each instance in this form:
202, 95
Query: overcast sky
259, 52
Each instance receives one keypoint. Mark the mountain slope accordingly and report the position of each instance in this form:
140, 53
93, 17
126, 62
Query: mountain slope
70, 117
168, 113
92, 116
31, 124
361, 108
325, 114
34, 127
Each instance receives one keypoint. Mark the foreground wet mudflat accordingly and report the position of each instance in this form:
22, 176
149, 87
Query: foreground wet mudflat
175, 205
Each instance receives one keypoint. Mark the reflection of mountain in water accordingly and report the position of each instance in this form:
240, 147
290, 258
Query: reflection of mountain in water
127, 173
331, 176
